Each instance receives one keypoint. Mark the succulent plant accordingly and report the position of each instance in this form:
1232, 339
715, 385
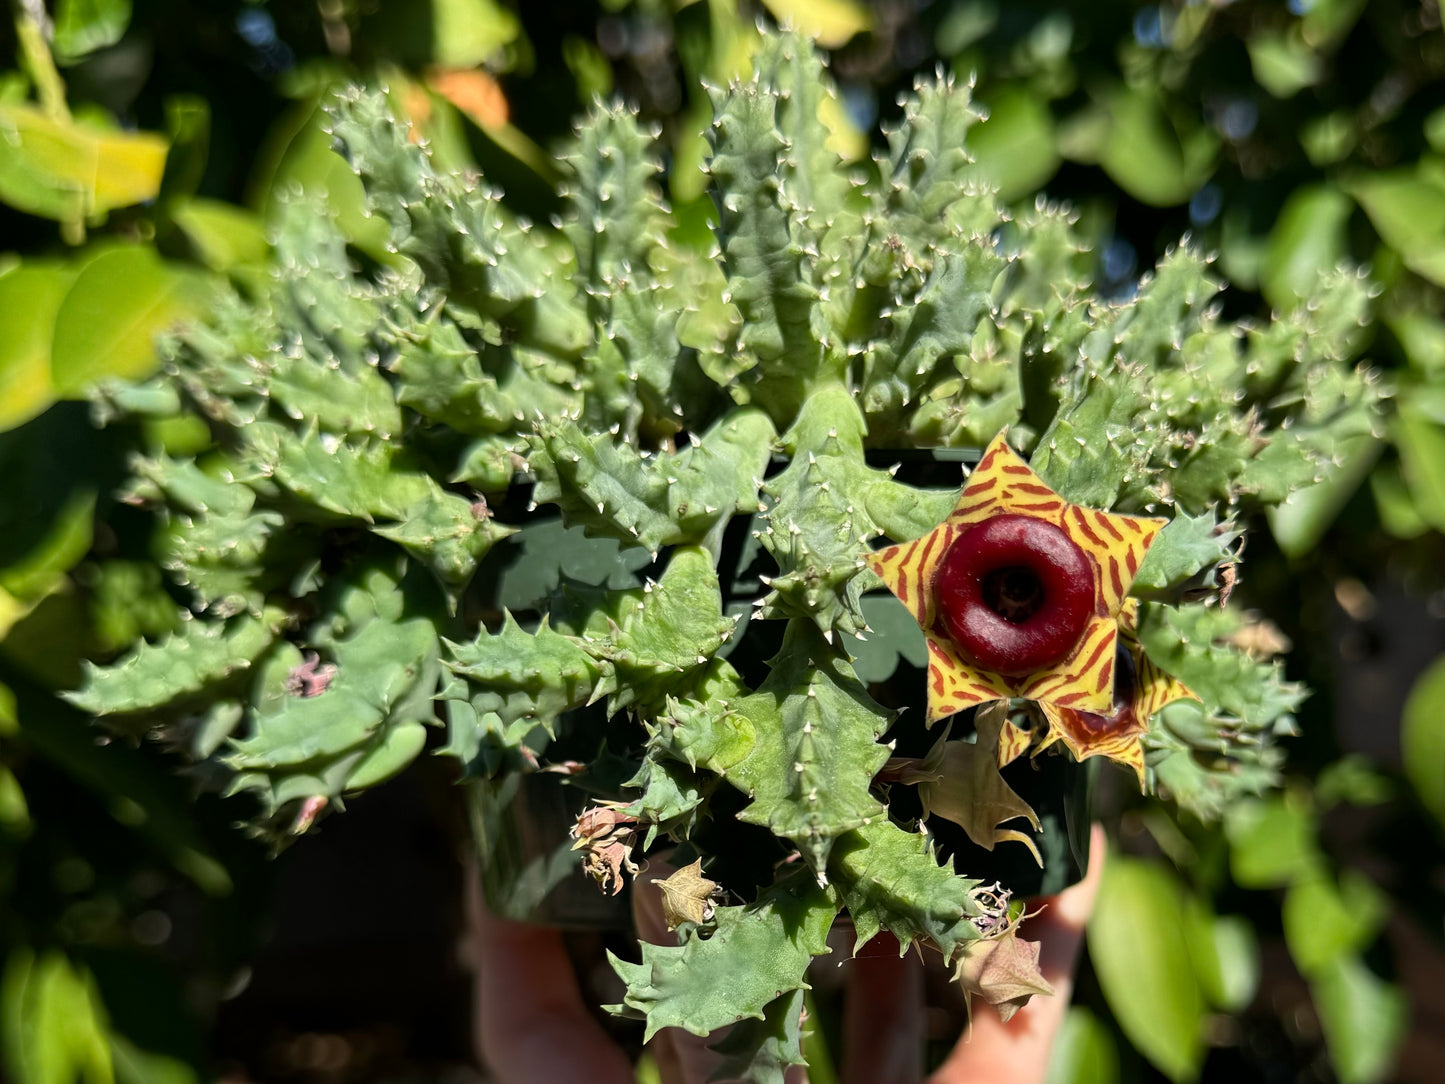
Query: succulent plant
372, 547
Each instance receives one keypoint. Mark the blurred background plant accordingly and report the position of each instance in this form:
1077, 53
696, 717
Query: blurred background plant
143, 146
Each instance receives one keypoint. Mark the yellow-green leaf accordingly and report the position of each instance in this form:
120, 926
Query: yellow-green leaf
1363, 1018
30, 297
830, 23
108, 321
1139, 945
223, 235
66, 169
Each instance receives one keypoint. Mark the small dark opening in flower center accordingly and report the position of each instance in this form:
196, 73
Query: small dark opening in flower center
1014, 592
1126, 678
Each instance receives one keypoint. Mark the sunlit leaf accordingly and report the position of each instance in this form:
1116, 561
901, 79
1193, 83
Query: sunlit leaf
1140, 949
1271, 841
83, 26
1225, 950
1308, 239
108, 321
1146, 155
30, 296
1324, 921
68, 170
1421, 444
1407, 207
1363, 1018
1015, 147
224, 236
1084, 1052
830, 23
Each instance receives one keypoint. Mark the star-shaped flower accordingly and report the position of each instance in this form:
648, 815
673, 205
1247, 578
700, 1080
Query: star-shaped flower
1140, 689
1018, 591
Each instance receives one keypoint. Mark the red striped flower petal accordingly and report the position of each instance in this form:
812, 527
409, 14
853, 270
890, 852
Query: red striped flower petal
1046, 626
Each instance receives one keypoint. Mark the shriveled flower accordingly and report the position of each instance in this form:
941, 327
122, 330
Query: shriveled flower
999, 967
605, 835
1140, 689
1018, 591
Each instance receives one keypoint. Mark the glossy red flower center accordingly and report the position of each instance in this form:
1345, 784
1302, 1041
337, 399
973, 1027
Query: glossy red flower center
1014, 594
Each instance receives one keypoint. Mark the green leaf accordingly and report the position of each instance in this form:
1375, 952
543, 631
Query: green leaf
1014, 150
83, 26
152, 676
610, 489
1308, 240
761, 1051
1422, 740
659, 645
1271, 841
1148, 154
1283, 63
815, 748
891, 880
14, 810
109, 319
224, 236
1187, 545
1225, 951
66, 540
830, 23
1084, 1052
517, 675
69, 170
53, 1027
301, 156
1324, 921
1363, 1017
1407, 207
1396, 505
136, 1066
1353, 780
1139, 946
444, 33
1420, 441
753, 956
893, 634
547, 554
30, 299
1301, 521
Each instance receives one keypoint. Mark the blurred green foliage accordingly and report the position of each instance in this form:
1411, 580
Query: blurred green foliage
144, 144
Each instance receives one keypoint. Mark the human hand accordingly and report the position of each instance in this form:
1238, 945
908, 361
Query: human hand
532, 1023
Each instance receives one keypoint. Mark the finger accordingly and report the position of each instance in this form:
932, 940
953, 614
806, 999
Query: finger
682, 1057
883, 1017
531, 1023
1018, 1052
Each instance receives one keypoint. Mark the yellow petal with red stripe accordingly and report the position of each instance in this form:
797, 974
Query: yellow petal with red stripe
1083, 681
954, 685
1088, 735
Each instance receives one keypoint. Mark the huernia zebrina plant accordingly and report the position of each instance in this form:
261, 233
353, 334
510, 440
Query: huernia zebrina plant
382, 424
